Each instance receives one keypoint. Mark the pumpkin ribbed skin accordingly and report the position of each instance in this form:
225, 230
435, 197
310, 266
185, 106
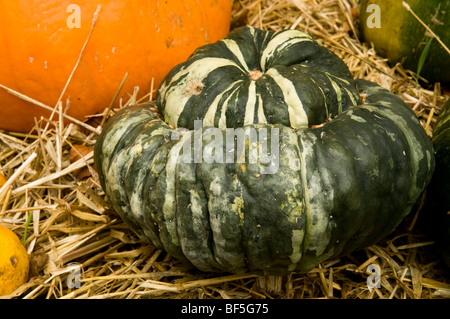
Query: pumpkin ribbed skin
141, 38
338, 187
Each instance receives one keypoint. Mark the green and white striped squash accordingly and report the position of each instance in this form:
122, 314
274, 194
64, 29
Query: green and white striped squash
437, 214
348, 171
256, 76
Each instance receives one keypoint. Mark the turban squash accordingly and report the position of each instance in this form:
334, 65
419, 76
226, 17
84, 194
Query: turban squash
42, 41
347, 170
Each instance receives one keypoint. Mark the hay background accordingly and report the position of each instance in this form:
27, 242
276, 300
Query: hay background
57, 200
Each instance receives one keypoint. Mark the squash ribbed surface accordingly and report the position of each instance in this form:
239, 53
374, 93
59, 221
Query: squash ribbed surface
347, 171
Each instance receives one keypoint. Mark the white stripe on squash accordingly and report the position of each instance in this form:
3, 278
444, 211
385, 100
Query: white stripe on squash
280, 41
176, 97
234, 48
223, 118
169, 206
297, 114
208, 120
261, 116
250, 107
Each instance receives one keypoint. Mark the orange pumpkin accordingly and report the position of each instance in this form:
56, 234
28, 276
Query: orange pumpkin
42, 41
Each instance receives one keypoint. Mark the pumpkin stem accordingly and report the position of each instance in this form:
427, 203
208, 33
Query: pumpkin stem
255, 74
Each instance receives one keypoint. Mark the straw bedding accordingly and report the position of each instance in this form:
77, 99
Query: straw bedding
80, 248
